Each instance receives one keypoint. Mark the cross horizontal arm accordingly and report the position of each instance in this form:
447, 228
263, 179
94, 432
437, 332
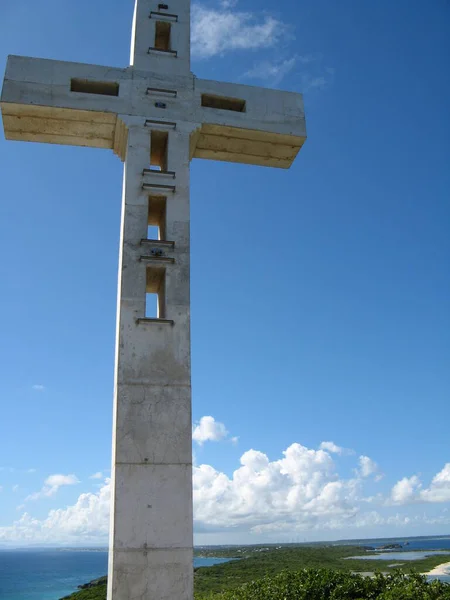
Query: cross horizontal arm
78, 104
248, 124
43, 101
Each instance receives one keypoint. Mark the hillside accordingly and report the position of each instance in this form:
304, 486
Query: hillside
318, 570
320, 584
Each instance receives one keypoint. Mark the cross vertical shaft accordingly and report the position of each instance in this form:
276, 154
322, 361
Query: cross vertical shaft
151, 520
161, 37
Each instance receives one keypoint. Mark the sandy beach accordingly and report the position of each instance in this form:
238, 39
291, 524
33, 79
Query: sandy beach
443, 569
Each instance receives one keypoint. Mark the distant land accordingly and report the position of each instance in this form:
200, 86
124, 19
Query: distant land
356, 541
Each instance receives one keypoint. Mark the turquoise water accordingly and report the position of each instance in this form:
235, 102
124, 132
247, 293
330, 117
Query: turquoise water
441, 543
445, 578
47, 574
413, 549
52, 574
209, 562
394, 555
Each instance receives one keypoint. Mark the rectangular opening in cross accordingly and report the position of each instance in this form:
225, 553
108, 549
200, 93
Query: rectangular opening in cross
162, 35
158, 150
90, 86
223, 103
157, 206
155, 301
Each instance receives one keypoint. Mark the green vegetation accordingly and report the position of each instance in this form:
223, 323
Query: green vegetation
323, 584
95, 590
266, 573
258, 562
97, 593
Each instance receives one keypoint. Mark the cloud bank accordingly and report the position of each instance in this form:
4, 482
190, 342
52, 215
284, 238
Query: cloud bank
302, 490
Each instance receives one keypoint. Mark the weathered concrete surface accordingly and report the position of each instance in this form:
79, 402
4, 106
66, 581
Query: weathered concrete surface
170, 578
143, 54
154, 113
38, 105
151, 526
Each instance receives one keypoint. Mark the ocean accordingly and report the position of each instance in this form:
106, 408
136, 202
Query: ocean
412, 547
52, 574
435, 543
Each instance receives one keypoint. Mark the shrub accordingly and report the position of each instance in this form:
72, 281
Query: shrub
323, 584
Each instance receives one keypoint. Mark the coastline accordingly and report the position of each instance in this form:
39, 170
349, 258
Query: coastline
443, 569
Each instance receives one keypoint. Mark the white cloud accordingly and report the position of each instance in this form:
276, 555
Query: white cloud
86, 521
320, 81
314, 83
272, 71
38, 387
52, 485
410, 490
443, 477
98, 475
56, 481
219, 30
224, 28
331, 447
335, 449
405, 490
15, 488
301, 490
375, 519
439, 490
209, 430
368, 467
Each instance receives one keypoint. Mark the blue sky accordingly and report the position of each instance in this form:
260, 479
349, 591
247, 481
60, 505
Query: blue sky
320, 295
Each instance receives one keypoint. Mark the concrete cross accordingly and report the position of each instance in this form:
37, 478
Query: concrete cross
156, 116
